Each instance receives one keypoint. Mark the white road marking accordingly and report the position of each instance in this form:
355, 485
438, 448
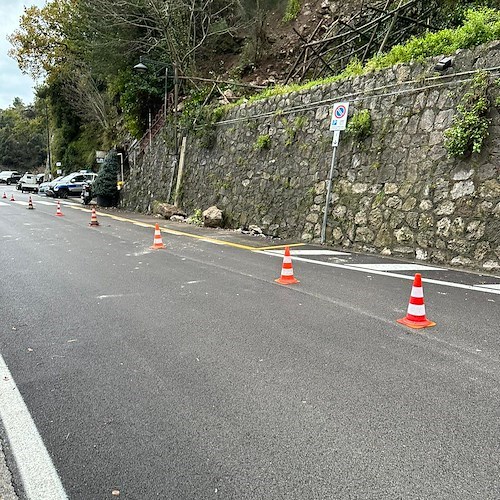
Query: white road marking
38, 474
492, 286
397, 267
3, 204
294, 251
22, 203
117, 295
41, 202
392, 275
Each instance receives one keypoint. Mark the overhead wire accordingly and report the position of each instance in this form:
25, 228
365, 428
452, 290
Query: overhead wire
364, 95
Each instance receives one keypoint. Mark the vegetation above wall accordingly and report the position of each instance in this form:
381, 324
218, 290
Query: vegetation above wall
95, 100
479, 26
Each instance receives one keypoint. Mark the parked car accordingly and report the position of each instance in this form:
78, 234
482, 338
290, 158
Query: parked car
72, 184
10, 176
44, 186
50, 190
28, 183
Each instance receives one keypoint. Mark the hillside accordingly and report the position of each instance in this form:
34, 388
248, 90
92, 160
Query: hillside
275, 52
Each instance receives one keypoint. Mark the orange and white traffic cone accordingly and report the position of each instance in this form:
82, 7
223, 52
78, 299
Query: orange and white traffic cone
58, 211
415, 317
157, 242
287, 277
12, 197
30, 204
93, 218
4, 195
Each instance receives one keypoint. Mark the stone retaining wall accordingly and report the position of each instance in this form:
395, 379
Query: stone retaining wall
394, 193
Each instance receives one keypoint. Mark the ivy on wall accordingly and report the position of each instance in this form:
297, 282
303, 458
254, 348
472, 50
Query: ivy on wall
471, 122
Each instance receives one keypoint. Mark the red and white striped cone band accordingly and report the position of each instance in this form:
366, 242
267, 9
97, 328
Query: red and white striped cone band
58, 211
287, 277
415, 316
93, 219
157, 241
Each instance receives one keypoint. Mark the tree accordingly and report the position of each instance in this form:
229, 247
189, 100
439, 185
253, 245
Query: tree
174, 29
22, 137
105, 184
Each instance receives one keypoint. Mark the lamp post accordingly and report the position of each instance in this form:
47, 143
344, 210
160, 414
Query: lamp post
143, 68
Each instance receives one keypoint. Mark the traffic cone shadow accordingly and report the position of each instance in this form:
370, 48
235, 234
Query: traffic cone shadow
415, 317
287, 277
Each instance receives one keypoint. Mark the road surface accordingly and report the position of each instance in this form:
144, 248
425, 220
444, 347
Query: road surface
188, 373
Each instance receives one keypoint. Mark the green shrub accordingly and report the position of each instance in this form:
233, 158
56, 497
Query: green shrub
359, 127
196, 218
262, 142
292, 10
470, 124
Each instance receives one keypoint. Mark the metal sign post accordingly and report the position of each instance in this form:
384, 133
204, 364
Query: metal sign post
338, 123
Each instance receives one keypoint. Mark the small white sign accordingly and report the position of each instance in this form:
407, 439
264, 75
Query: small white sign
339, 116
336, 138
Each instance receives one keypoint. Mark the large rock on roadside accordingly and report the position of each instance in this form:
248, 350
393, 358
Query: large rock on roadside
166, 210
213, 217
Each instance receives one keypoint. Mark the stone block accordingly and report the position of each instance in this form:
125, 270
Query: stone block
421, 254
404, 235
427, 120
445, 208
490, 189
364, 235
394, 202
461, 261
462, 175
409, 204
461, 189
491, 265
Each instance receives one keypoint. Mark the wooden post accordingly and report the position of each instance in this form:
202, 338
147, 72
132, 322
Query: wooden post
180, 172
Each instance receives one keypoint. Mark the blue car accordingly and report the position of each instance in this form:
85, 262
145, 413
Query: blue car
71, 185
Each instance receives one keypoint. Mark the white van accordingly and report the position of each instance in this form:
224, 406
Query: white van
29, 183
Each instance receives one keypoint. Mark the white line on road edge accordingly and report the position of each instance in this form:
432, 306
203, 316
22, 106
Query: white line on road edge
397, 267
300, 251
475, 288
38, 474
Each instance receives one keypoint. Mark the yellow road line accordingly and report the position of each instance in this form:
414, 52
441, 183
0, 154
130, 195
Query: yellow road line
276, 247
172, 231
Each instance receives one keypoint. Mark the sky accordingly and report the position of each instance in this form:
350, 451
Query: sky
12, 82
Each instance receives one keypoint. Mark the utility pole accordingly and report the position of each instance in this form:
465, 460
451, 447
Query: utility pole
49, 162
176, 103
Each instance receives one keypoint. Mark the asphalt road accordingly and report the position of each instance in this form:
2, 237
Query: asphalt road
188, 373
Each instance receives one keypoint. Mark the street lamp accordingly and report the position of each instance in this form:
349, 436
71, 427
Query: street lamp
143, 68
